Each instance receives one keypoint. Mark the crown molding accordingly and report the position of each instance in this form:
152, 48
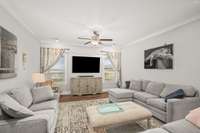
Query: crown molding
5, 6
165, 30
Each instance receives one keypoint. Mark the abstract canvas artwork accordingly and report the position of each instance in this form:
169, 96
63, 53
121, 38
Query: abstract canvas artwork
159, 57
8, 50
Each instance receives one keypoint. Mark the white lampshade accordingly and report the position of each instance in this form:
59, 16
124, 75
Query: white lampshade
38, 77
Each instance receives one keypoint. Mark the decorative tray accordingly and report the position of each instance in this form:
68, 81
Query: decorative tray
109, 108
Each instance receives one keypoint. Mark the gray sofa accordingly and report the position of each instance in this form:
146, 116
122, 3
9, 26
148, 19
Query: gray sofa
180, 126
43, 121
151, 95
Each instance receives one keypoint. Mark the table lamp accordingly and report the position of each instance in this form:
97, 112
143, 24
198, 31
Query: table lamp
38, 78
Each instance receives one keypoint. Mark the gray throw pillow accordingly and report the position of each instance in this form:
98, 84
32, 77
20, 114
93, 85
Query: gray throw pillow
3, 115
155, 88
145, 84
12, 108
22, 95
136, 85
41, 94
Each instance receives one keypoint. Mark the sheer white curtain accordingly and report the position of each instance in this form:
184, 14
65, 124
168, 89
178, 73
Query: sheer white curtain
49, 57
115, 58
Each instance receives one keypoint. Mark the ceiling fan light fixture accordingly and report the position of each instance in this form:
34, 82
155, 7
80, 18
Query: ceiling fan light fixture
95, 42
95, 39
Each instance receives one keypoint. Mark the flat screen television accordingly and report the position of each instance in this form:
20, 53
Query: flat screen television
81, 64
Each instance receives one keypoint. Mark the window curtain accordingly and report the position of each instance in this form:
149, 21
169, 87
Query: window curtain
115, 58
49, 57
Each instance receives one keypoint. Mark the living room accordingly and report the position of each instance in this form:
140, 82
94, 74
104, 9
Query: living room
99, 66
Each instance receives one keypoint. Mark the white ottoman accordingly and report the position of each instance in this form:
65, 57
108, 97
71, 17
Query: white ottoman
120, 95
132, 112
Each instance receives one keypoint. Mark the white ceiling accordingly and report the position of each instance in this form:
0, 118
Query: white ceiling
123, 20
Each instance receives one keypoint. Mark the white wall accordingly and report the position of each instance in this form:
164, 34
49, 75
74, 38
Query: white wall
26, 43
186, 70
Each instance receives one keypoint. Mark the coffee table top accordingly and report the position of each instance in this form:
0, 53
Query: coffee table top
131, 112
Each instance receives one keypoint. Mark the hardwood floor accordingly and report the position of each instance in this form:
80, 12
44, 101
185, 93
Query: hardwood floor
69, 98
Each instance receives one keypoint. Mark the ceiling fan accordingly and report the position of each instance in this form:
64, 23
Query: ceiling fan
95, 39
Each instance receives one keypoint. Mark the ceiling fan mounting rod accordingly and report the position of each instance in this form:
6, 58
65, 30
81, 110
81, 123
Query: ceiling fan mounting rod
95, 39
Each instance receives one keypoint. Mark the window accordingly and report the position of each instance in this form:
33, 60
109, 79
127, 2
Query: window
109, 73
57, 73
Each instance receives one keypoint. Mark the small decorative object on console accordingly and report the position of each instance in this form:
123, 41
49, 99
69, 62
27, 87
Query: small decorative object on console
127, 84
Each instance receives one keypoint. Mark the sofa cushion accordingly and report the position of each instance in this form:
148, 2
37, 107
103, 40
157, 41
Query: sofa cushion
144, 84
52, 104
136, 85
143, 96
155, 88
121, 93
22, 95
181, 126
189, 91
41, 94
157, 103
12, 108
48, 115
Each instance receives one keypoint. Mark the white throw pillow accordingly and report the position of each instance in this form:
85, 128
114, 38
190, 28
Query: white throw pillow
136, 85
12, 108
41, 94
22, 95
155, 88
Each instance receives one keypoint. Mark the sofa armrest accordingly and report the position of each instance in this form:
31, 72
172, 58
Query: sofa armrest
178, 108
27, 125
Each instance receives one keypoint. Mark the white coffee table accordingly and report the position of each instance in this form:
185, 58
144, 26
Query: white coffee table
132, 112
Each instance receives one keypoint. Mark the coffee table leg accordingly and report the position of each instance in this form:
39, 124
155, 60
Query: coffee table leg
149, 123
96, 129
99, 130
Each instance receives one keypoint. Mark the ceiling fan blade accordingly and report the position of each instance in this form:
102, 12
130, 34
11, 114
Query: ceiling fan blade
84, 38
106, 44
106, 39
87, 42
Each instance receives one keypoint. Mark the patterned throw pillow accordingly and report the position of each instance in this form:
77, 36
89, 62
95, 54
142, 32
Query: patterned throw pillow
22, 95
136, 85
12, 108
41, 94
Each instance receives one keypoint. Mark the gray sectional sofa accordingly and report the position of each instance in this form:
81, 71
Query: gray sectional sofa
44, 116
180, 126
151, 95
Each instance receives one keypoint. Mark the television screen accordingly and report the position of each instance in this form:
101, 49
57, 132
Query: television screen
82, 64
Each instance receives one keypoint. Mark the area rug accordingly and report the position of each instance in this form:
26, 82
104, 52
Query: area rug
72, 118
